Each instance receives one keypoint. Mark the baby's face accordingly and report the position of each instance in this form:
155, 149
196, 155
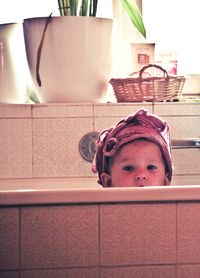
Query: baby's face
137, 164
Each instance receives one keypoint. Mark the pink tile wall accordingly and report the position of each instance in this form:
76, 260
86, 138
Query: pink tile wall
106, 115
62, 273
186, 162
179, 109
9, 239
56, 147
184, 127
59, 236
15, 148
119, 109
153, 240
139, 272
188, 233
15, 141
15, 111
65, 110
188, 271
57, 130
138, 234
42, 140
10, 274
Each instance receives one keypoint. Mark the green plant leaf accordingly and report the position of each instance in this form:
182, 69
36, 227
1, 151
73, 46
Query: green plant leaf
61, 7
93, 8
85, 7
89, 8
73, 7
135, 16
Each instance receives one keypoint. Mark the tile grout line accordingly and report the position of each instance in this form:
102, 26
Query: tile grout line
176, 268
20, 244
93, 118
99, 241
32, 168
153, 107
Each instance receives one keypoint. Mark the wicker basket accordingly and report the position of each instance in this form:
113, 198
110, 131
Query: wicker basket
151, 88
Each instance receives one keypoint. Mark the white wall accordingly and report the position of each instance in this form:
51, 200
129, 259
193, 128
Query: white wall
174, 25
12, 11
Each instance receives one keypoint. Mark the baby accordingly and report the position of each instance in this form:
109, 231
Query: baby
136, 152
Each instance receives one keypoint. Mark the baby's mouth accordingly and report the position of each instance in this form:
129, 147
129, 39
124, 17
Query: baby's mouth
140, 184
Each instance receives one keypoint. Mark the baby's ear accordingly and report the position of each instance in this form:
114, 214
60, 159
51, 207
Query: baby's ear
166, 180
106, 180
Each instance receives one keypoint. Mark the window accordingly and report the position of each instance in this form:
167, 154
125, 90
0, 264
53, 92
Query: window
173, 25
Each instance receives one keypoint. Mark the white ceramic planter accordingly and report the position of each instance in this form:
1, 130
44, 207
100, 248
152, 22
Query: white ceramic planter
75, 61
12, 64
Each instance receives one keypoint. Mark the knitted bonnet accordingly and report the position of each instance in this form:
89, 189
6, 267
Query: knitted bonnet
139, 125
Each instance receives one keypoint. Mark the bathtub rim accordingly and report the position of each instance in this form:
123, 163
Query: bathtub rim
97, 194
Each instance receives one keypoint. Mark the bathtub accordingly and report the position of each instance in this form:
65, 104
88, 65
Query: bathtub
75, 228
38, 191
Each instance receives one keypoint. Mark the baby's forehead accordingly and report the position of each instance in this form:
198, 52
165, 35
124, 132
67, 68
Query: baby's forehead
139, 143
132, 148
137, 151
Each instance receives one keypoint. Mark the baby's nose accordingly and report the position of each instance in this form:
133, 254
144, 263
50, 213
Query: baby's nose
140, 176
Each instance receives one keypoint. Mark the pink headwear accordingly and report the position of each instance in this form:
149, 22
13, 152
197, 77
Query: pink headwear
139, 125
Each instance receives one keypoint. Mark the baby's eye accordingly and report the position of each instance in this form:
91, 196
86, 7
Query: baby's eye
151, 167
128, 168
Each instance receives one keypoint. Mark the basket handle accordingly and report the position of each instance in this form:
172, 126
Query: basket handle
153, 66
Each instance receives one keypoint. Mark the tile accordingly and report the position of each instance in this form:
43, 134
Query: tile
186, 179
103, 123
59, 236
139, 272
15, 148
15, 111
188, 233
61, 273
62, 110
9, 274
184, 127
188, 271
186, 161
56, 147
177, 109
133, 234
119, 109
9, 238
